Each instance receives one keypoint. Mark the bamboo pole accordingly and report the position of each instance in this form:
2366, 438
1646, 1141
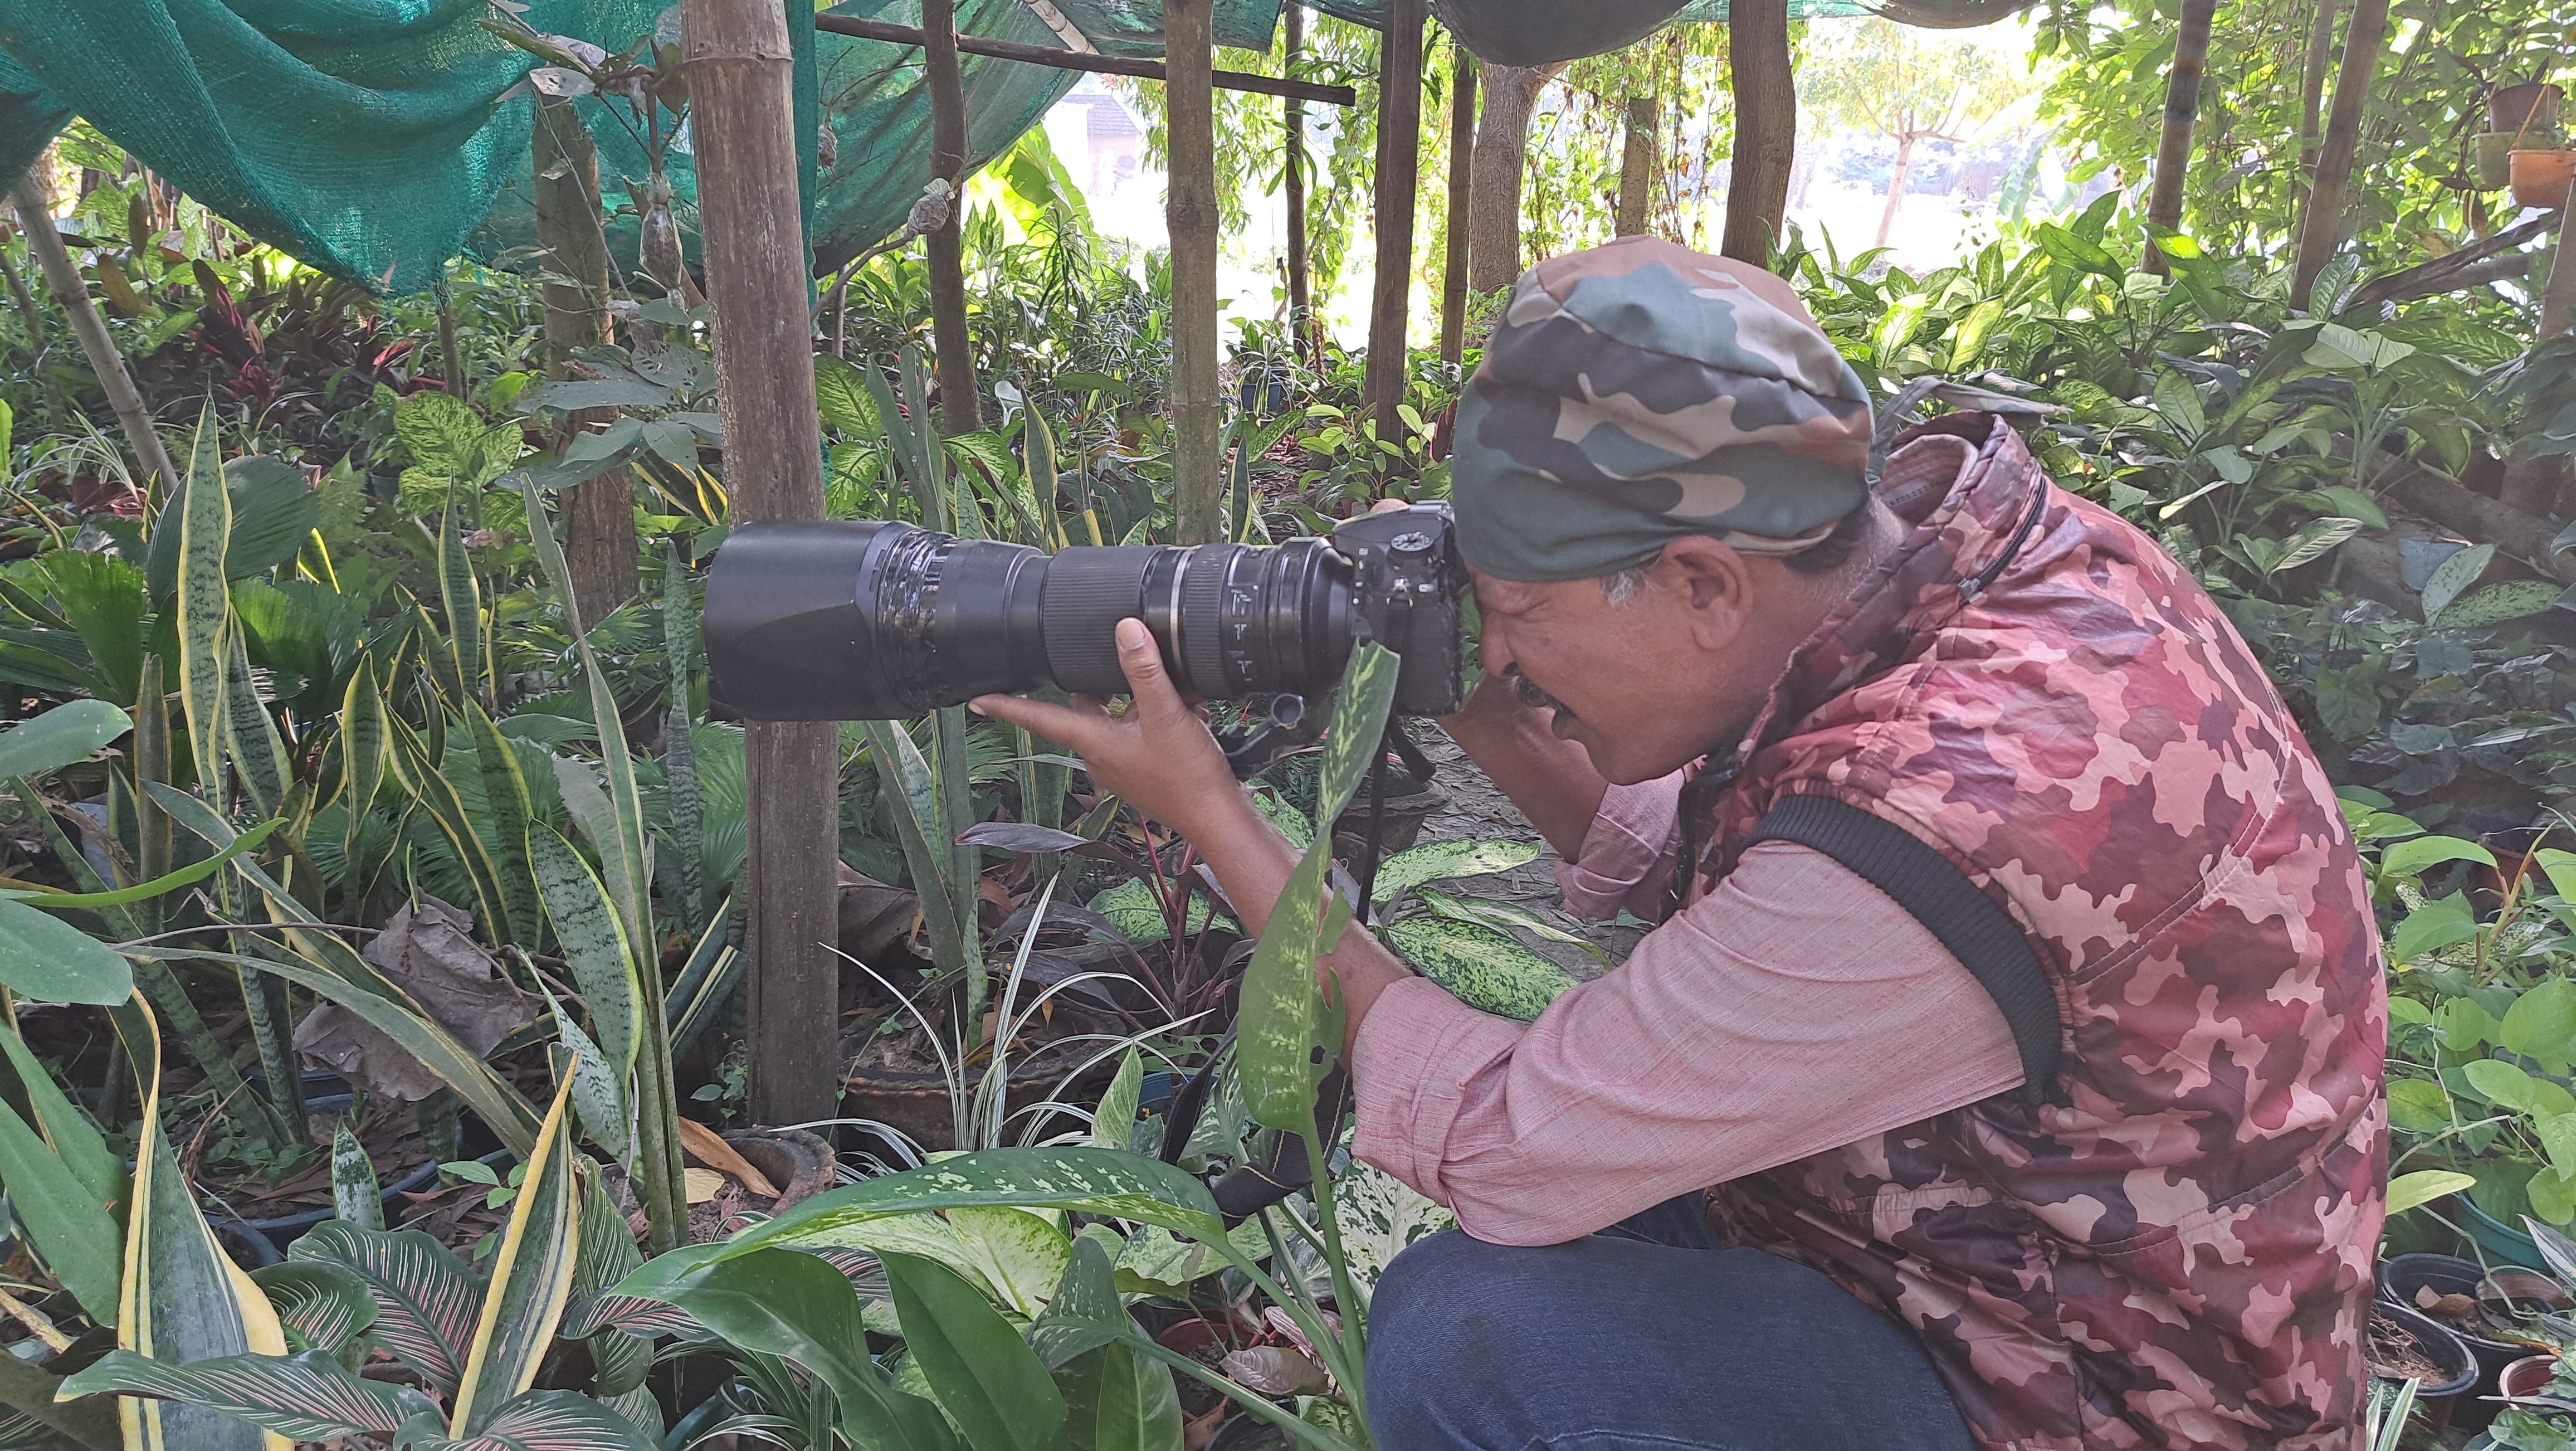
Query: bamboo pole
1462, 171
1399, 168
1766, 128
71, 294
1190, 212
599, 530
2312, 94
961, 408
2321, 227
1092, 61
740, 84
2182, 111
1302, 337
1637, 167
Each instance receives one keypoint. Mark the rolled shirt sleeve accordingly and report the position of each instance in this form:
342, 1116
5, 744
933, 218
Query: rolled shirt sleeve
1628, 853
1793, 1009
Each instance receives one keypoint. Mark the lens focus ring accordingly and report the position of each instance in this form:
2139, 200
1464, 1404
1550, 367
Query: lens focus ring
1202, 602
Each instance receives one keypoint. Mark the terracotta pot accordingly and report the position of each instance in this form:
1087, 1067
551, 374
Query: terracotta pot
2530, 106
2528, 1376
2540, 178
2494, 154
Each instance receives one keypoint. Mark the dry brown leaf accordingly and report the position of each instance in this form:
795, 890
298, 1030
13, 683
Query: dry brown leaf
703, 1184
709, 1148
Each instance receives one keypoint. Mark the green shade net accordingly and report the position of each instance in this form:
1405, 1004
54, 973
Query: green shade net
1535, 32
367, 138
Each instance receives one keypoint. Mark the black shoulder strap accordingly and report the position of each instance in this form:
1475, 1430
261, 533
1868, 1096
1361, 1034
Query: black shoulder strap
1983, 936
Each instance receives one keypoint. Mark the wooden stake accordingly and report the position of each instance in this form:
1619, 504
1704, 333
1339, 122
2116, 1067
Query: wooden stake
1637, 167
1399, 169
2321, 228
740, 83
1766, 128
961, 407
1190, 212
1462, 167
1302, 335
2182, 110
71, 294
599, 529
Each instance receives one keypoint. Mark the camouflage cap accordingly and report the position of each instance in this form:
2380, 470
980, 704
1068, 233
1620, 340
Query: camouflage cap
1641, 391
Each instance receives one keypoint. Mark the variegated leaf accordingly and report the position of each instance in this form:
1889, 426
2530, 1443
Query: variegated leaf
531, 1278
320, 1304
594, 944
205, 519
307, 1397
425, 1296
552, 1421
1436, 861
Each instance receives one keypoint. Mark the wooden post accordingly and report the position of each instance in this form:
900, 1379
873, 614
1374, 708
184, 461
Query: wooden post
1303, 338
1399, 167
1766, 128
1494, 204
1462, 165
36, 218
2312, 94
1637, 167
2321, 228
1190, 211
2558, 300
740, 84
599, 531
2182, 110
961, 407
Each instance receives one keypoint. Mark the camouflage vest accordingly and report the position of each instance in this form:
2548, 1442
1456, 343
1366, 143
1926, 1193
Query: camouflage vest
2175, 1249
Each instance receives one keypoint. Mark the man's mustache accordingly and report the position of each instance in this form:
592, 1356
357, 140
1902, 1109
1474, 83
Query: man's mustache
1537, 699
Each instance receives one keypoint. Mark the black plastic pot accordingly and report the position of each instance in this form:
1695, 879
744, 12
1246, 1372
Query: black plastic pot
2438, 1401
2401, 1276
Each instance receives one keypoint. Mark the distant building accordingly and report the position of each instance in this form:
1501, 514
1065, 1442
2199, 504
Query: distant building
1098, 138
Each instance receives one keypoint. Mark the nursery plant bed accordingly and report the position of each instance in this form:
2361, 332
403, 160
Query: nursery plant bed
897, 1080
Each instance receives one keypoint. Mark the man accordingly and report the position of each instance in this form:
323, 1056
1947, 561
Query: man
2021, 1018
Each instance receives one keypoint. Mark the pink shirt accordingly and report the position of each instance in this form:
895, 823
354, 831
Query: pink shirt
1793, 1008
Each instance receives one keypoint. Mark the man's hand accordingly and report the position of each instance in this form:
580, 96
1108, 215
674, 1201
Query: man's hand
1157, 757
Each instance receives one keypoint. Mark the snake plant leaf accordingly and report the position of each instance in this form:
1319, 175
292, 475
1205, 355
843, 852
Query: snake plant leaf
1287, 1035
985, 1376
459, 597
779, 1302
598, 1090
258, 755
1105, 1182
320, 1305
306, 1397
424, 773
551, 1421
355, 1196
531, 1278
184, 1300
363, 742
66, 1224
68, 733
159, 886
205, 599
594, 944
912, 799
1436, 861
506, 808
425, 1296
51, 961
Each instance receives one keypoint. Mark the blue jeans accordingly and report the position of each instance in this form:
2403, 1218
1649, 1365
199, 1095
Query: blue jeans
1645, 1337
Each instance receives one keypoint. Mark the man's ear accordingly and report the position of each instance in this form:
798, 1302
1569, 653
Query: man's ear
1716, 582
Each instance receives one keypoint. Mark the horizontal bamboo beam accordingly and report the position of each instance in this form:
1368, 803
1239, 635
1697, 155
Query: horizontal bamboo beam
1067, 60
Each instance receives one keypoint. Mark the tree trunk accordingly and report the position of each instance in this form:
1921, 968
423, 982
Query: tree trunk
961, 406
1303, 337
1895, 189
1766, 128
2558, 301
2312, 94
71, 294
740, 82
2542, 485
1399, 170
2321, 227
599, 544
1190, 212
1494, 176
1637, 167
1462, 161
2182, 110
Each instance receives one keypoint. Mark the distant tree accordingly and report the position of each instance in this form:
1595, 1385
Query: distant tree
1908, 85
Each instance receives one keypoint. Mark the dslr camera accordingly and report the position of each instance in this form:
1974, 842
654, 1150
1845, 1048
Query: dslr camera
875, 620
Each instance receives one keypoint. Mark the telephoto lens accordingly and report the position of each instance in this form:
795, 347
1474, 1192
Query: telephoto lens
875, 620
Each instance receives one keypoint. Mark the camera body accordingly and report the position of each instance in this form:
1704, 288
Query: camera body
875, 620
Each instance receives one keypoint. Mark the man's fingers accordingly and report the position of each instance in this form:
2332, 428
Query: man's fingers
1063, 724
1142, 660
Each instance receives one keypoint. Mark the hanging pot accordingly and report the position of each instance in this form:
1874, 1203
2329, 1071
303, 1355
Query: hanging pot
2540, 178
2530, 106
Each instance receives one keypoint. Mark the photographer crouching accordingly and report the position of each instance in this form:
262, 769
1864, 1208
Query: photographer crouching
2005, 1070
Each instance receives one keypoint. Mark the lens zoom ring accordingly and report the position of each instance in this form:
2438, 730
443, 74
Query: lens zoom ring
1202, 603
1088, 591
